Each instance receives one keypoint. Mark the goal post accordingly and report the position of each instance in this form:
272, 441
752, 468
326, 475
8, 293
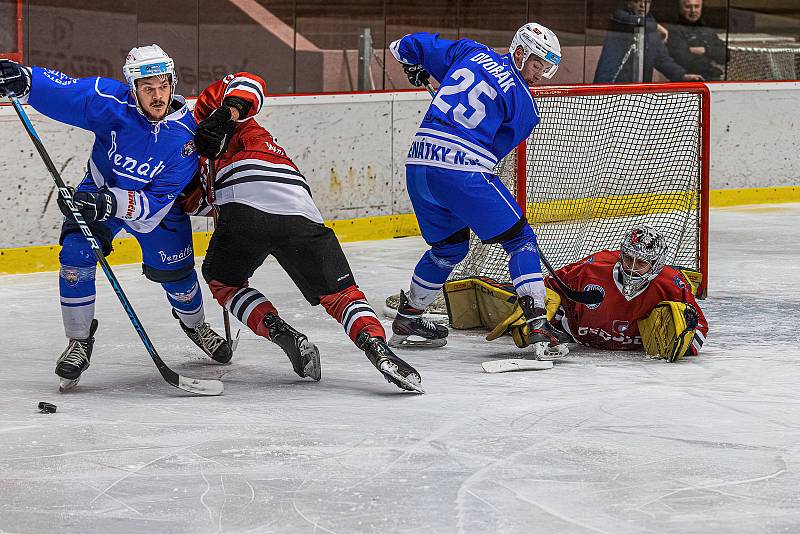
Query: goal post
602, 159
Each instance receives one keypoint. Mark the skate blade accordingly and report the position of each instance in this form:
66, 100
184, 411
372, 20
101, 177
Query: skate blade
66, 384
416, 342
408, 383
313, 368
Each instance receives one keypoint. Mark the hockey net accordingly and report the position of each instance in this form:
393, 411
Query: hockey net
779, 61
603, 159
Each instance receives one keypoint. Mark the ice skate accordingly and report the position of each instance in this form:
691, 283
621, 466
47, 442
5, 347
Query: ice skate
541, 334
75, 359
411, 330
303, 354
396, 371
214, 345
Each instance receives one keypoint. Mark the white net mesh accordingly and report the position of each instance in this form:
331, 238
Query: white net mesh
764, 62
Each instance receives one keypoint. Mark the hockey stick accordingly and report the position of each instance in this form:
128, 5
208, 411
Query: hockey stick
592, 296
226, 318
192, 385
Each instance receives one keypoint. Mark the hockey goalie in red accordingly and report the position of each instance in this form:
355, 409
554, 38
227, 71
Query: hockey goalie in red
635, 283
263, 207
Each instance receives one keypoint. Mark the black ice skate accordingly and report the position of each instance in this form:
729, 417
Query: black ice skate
394, 369
540, 331
303, 354
410, 322
75, 359
209, 341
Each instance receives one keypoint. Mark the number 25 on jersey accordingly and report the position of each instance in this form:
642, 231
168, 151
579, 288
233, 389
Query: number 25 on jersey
465, 83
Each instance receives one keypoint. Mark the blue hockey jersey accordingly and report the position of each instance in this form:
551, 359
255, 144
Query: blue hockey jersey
483, 108
144, 164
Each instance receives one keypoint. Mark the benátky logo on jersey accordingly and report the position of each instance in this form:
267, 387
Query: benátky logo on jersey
598, 288
175, 258
679, 282
144, 172
58, 77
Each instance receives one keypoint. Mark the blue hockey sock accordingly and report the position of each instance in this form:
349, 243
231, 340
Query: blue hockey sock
524, 265
186, 299
76, 285
432, 271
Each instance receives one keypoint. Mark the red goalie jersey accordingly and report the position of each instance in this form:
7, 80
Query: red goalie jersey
612, 324
254, 170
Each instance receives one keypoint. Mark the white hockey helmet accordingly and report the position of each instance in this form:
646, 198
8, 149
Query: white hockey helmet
147, 61
644, 246
539, 40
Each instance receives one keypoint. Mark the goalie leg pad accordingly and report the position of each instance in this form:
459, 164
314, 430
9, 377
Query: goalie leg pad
478, 302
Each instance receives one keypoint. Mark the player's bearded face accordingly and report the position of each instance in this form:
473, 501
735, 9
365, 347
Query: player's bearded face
154, 95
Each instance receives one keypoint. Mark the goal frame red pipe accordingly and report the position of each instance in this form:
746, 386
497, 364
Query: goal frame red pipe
703, 148
16, 55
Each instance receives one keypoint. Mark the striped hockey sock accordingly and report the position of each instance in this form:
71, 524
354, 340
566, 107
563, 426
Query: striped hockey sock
250, 306
351, 309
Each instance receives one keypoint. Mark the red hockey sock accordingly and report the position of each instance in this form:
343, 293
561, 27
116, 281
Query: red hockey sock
351, 309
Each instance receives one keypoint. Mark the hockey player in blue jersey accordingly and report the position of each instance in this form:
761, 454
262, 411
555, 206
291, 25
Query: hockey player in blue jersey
482, 110
143, 156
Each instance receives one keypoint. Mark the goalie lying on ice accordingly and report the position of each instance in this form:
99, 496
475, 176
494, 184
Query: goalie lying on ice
646, 304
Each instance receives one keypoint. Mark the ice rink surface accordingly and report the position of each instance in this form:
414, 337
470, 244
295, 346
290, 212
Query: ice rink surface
608, 443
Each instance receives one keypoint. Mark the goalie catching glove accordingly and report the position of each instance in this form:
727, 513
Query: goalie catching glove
669, 330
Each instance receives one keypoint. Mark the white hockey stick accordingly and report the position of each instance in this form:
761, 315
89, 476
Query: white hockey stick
516, 364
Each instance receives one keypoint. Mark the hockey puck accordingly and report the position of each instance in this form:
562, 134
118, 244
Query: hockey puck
46, 407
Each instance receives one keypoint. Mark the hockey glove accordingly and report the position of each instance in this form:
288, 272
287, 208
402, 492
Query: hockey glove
98, 205
14, 78
214, 133
417, 75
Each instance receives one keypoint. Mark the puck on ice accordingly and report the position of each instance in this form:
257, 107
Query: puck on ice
46, 407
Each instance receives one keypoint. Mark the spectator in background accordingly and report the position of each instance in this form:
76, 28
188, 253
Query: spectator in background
616, 63
693, 45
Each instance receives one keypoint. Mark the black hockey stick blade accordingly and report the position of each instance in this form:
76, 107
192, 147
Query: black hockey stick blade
192, 385
591, 296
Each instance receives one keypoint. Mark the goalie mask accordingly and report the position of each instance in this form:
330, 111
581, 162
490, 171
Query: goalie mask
642, 255
145, 62
537, 40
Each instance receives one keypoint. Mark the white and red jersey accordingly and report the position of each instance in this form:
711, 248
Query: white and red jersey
254, 170
612, 324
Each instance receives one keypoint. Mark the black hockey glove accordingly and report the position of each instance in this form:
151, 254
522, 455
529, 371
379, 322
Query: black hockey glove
239, 104
214, 133
417, 75
98, 205
14, 78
